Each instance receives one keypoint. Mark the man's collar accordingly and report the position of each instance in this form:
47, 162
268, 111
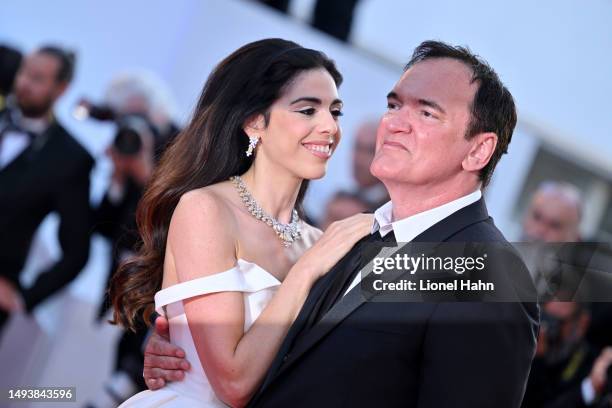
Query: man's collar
36, 125
408, 228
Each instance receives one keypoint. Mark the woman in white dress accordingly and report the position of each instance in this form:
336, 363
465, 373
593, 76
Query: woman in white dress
225, 255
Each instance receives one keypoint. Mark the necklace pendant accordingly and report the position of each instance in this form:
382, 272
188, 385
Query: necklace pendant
287, 237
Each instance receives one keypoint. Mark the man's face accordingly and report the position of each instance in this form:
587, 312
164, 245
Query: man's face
363, 153
420, 139
551, 218
36, 85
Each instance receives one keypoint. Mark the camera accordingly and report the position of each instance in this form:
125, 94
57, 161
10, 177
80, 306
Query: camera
131, 128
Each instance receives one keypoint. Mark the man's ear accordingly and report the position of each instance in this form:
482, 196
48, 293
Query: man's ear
482, 148
254, 126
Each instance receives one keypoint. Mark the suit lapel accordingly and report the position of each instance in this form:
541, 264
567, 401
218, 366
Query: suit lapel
287, 355
347, 305
319, 290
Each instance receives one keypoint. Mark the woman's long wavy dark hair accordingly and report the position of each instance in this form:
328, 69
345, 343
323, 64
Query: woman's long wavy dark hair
209, 150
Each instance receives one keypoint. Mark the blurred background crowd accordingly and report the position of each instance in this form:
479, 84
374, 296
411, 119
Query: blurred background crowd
89, 99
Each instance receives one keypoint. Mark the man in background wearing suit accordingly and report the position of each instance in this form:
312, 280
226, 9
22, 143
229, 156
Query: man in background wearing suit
449, 120
42, 170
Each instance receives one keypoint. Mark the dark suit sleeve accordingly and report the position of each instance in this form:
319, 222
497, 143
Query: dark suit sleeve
72, 205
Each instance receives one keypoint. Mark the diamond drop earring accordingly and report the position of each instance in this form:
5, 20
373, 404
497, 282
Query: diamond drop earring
252, 144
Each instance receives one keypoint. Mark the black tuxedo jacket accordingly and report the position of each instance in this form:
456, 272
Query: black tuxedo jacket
433, 355
50, 175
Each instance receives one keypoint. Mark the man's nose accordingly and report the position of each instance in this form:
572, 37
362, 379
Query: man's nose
398, 122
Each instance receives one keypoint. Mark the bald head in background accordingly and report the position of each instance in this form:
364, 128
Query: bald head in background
554, 213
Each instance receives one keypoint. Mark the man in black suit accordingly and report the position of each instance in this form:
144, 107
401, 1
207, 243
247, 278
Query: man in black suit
449, 120
42, 170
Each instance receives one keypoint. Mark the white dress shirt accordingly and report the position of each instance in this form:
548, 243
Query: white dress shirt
14, 142
410, 227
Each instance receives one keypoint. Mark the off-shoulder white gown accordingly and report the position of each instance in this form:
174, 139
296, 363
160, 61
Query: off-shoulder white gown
257, 285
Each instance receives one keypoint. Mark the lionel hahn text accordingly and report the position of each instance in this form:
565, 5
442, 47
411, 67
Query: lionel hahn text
426, 285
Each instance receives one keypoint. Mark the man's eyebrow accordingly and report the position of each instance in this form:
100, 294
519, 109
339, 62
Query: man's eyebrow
315, 100
392, 95
431, 104
425, 102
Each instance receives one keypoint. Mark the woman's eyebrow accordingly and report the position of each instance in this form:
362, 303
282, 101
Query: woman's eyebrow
315, 100
307, 99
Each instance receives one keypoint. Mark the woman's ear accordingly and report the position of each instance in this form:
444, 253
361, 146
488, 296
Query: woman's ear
483, 147
254, 126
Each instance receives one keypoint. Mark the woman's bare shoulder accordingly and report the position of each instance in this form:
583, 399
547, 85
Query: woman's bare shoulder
202, 235
209, 202
207, 210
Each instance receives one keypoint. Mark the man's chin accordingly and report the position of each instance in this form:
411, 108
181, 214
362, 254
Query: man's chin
30, 111
386, 174
384, 167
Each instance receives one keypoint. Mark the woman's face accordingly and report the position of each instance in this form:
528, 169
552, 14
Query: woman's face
303, 129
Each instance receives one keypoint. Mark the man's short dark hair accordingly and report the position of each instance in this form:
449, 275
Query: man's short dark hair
67, 61
10, 59
492, 109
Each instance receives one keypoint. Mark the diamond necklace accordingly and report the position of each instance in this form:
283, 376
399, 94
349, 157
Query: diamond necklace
288, 233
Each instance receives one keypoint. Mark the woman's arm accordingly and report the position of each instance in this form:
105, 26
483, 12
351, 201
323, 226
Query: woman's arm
202, 242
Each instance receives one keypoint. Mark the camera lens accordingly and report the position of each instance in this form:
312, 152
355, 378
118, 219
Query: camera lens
127, 141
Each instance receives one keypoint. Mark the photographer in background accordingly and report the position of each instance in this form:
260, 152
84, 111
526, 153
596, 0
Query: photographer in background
142, 93
43, 169
132, 155
567, 371
138, 104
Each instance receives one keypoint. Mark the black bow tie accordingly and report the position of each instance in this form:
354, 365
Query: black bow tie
9, 123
